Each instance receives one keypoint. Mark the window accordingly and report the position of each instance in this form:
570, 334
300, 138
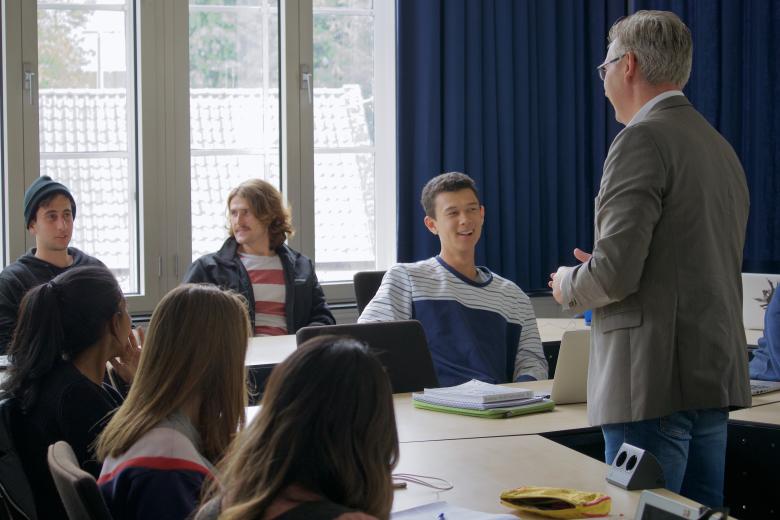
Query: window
151, 111
3, 259
86, 111
234, 107
343, 52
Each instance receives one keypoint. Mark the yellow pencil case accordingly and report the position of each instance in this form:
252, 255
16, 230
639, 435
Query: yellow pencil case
557, 502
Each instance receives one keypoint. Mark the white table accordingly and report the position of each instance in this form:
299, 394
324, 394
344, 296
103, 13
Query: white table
269, 350
480, 469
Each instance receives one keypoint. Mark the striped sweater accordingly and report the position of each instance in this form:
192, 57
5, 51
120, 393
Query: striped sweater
160, 476
482, 329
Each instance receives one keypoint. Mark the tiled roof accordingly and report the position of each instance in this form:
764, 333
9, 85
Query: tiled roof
82, 120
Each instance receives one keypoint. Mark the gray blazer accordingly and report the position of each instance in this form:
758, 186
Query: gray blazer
665, 276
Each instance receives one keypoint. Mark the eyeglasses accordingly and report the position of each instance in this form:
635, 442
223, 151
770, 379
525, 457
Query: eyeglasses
602, 69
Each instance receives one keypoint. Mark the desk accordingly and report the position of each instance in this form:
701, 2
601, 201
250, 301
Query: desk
753, 459
766, 414
269, 350
480, 469
416, 425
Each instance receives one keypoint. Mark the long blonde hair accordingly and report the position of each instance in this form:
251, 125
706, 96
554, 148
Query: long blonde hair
195, 346
326, 424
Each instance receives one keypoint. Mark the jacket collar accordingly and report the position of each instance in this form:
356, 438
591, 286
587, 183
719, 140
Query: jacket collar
229, 251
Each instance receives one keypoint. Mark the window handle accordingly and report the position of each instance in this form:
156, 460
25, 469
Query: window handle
306, 79
29, 82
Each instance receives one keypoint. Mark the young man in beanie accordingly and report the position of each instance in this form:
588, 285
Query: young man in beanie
49, 210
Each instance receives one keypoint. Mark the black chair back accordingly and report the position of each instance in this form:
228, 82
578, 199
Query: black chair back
400, 346
366, 284
78, 489
16, 497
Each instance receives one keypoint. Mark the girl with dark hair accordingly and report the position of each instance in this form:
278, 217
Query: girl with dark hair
68, 329
322, 447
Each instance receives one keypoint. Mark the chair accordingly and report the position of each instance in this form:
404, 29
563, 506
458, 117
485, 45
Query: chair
16, 497
366, 284
78, 489
400, 346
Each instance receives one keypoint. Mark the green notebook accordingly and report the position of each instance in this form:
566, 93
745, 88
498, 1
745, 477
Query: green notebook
494, 413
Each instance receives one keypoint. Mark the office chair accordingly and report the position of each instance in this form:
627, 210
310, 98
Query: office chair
16, 497
400, 346
366, 284
78, 489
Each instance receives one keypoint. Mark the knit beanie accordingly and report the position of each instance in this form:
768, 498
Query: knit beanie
40, 189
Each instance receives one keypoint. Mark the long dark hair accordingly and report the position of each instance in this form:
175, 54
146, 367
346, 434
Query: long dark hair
326, 424
57, 321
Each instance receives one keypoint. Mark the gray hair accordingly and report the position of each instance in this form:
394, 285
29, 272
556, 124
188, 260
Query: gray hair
661, 43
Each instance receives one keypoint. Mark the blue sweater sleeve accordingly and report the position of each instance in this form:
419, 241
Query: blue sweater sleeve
766, 360
151, 493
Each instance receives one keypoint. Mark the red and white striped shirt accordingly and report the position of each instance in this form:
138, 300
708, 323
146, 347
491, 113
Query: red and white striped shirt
267, 277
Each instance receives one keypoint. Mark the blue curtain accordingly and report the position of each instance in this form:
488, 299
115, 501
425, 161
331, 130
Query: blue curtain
505, 91
735, 84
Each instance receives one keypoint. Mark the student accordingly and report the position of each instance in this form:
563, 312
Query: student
58, 362
278, 283
765, 364
323, 445
474, 320
49, 210
185, 405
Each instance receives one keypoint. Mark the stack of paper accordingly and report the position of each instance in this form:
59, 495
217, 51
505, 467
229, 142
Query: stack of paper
481, 399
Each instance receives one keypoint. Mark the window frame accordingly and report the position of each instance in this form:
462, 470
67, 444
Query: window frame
162, 139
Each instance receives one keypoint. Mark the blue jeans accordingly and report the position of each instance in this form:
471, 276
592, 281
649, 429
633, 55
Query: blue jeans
689, 445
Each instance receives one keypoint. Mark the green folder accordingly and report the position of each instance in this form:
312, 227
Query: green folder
493, 413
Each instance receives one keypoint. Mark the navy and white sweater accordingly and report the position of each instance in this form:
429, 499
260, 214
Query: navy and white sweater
160, 476
482, 330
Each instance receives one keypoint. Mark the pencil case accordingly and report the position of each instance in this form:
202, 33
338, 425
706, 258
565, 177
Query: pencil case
557, 502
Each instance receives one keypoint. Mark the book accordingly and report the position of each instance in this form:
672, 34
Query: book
444, 510
475, 391
432, 399
493, 413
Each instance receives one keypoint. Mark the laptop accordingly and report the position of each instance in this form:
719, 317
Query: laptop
401, 347
570, 384
758, 387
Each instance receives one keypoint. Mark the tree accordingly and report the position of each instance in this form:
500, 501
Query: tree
61, 57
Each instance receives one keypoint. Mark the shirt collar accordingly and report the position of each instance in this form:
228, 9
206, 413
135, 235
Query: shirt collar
642, 114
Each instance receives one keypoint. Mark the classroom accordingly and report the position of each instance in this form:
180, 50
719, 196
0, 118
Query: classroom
578, 198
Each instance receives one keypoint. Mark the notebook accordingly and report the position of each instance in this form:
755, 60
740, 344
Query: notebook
570, 384
475, 391
543, 405
433, 399
758, 387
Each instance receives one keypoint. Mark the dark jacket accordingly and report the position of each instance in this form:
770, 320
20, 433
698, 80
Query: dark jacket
70, 408
304, 301
21, 276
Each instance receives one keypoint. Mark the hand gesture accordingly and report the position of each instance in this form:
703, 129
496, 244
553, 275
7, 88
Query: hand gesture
127, 363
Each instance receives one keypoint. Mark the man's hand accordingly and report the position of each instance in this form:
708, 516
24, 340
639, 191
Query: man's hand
555, 285
581, 255
555, 278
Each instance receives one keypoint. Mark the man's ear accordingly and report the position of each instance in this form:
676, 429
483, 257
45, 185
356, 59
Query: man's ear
631, 67
430, 223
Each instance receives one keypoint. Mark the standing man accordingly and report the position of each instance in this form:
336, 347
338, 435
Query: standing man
49, 210
668, 355
279, 284
478, 324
